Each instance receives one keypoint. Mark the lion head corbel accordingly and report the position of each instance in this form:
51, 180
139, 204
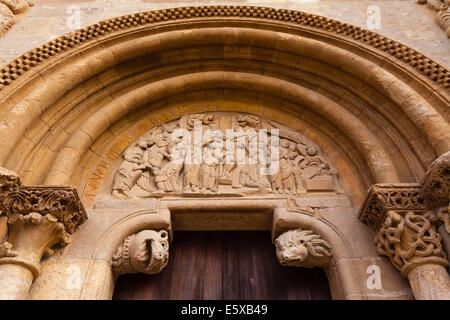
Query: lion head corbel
302, 248
146, 251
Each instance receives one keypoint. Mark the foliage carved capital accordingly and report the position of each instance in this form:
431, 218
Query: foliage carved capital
62, 202
39, 217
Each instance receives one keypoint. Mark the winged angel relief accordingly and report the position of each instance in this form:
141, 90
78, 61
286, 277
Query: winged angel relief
222, 154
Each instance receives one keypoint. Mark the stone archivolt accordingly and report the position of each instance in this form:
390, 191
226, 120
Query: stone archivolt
410, 239
149, 168
146, 251
422, 64
302, 248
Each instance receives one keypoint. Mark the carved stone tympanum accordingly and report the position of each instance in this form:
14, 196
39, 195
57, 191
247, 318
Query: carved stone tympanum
302, 248
146, 251
223, 153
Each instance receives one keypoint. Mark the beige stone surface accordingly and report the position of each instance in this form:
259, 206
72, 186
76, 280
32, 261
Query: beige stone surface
74, 280
15, 282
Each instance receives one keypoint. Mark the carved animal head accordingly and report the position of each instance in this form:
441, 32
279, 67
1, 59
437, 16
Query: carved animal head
149, 251
302, 248
146, 251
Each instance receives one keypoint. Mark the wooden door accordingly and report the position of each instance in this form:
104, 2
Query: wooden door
224, 265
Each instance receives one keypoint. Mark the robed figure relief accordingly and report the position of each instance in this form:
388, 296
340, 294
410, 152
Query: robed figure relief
220, 153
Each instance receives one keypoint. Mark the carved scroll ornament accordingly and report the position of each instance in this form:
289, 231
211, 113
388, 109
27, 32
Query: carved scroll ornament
410, 239
302, 248
146, 251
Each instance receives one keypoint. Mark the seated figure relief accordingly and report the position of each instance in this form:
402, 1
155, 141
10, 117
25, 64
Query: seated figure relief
223, 153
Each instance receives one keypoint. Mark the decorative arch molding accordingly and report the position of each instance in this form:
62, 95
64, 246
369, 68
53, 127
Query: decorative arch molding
376, 108
70, 98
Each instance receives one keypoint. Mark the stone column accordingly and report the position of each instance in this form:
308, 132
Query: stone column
406, 233
39, 218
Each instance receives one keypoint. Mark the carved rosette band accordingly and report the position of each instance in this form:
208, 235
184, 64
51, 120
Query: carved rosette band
39, 217
302, 248
146, 251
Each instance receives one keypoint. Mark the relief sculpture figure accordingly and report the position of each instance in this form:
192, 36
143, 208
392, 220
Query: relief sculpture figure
210, 168
130, 170
168, 178
287, 168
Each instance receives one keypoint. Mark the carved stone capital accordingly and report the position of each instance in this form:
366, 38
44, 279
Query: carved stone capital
39, 217
30, 237
410, 239
62, 202
384, 197
302, 248
146, 251
436, 183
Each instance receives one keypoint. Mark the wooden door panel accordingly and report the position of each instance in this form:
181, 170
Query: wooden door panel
224, 265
